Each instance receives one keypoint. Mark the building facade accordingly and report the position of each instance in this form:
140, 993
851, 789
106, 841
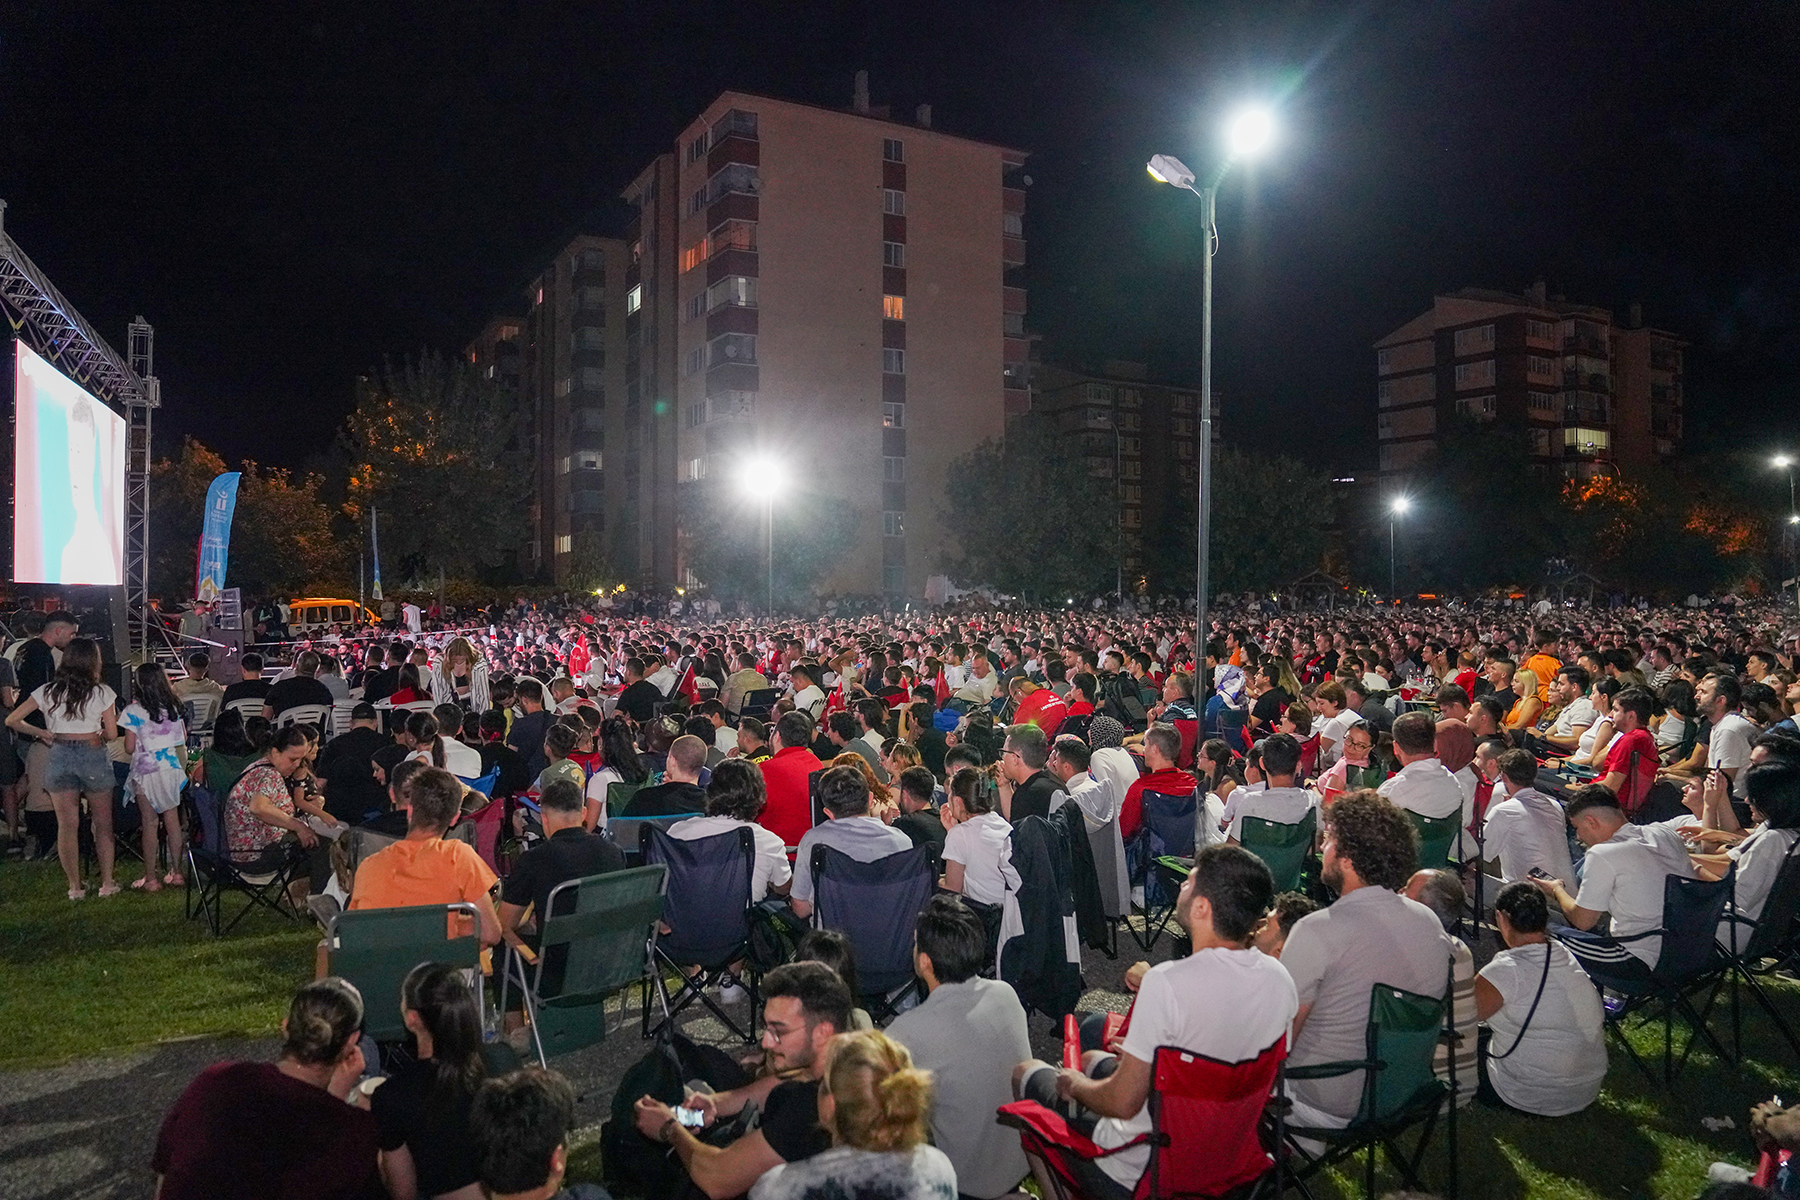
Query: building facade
1594, 396
832, 289
561, 362
1139, 440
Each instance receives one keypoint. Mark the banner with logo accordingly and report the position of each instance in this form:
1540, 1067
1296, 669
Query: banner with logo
215, 537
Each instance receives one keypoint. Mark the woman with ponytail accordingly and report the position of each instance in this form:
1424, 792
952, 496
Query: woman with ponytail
875, 1105
422, 1109
978, 846
420, 735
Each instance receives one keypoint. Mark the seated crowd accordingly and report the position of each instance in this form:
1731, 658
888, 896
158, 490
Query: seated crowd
1457, 775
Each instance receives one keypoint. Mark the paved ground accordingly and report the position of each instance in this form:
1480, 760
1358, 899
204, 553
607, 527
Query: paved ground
84, 1130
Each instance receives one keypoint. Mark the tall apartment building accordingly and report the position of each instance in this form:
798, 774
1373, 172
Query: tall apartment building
831, 288
1594, 395
561, 360
1139, 440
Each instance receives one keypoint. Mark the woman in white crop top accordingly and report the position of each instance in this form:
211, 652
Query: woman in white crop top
79, 721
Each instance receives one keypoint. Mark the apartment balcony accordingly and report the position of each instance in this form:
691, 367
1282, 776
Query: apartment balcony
734, 148
1590, 382
1576, 343
731, 262
1012, 251
1586, 408
730, 318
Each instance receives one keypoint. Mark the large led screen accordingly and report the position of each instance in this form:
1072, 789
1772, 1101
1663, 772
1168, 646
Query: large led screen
68, 479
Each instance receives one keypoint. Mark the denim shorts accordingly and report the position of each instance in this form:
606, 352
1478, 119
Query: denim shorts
79, 767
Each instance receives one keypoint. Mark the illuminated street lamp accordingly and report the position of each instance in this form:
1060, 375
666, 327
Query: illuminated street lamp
1398, 507
1247, 134
1785, 462
761, 478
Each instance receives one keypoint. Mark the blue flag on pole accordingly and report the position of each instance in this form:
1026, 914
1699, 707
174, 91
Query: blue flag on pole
375, 552
215, 536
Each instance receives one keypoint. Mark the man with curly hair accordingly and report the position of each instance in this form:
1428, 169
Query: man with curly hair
1371, 935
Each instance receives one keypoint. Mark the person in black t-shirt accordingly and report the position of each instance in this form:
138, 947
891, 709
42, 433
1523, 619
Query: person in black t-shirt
252, 686
1029, 789
680, 790
805, 1005
303, 687
640, 697
1265, 714
346, 764
527, 735
495, 753
567, 852
918, 820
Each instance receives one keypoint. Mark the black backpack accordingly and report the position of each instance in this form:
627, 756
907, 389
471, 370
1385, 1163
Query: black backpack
631, 1163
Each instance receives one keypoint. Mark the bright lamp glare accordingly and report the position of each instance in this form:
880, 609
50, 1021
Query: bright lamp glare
1400, 505
762, 477
1782, 460
1794, 520
1250, 132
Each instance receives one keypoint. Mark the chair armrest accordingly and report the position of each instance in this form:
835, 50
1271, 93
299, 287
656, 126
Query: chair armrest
1332, 1070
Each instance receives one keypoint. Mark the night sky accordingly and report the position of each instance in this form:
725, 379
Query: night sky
290, 192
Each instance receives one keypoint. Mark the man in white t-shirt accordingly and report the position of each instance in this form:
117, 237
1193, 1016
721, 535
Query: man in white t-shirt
1728, 745
1574, 716
1622, 875
734, 799
1526, 829
1280, 801
1422, 784
1227, 1001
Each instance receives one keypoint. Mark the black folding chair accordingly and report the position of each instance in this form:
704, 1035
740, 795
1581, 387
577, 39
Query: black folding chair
759, 704
1167, 830
1688, 963
212, 871
1761, 947
707, 911
876, 905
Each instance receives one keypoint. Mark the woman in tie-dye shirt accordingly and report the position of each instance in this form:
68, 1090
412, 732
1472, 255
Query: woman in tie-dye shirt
156, 738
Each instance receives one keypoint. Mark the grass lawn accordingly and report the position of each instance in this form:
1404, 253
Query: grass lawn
108, 976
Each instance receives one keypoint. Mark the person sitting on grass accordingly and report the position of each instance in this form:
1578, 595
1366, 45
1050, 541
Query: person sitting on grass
422, 1107
874, 1103
519, 1130
1221, 905
281, 1130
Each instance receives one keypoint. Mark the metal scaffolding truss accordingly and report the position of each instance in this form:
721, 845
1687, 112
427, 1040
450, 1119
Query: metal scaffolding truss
50, 325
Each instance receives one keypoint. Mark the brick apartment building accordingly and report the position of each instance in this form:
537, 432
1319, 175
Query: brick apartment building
1594, 395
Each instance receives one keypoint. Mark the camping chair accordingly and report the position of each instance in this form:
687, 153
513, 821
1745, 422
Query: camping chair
1309, 757
1190, 742
605, 928
1283, 848
1167, 830
1400, 1089
1113, 878
303, 714
627, 833
375, 949
1688, 962
211, 870
1768, 939
707, 911
1437, 838
876, 905
618, 798
1203, 1139
759, 704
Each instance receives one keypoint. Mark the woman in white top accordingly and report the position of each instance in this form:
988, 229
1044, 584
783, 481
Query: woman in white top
1596, 740
461, 677
1544, 1048
79, 721
977, 841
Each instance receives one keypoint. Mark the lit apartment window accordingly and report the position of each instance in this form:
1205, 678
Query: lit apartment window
566, 463
694, 468
893, 416
893, 308
1012, 224
893, 362
893, 524
696, 149
893, 254
565, 543
736, 291
694, 255
587, 460
892, 150
1586, 441
893, 469
1481, 408
563, 387
893, 203
634, 299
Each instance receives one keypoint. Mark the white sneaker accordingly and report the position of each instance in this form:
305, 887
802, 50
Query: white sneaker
1724, 1172
731, 991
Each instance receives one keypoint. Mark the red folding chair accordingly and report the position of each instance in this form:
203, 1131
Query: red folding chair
1309, 757
1203, 1139
1190, 742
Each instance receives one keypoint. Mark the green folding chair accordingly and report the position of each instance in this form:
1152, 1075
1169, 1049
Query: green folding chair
1400, 1090
605, 936
618, 796
1283, 848
1437, 838
375, 948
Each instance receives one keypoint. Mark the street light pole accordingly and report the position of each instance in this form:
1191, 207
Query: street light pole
1112, 420
1393, 577
1786, 463
769, 524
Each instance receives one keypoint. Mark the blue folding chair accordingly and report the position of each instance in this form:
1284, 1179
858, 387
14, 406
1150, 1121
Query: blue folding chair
1167, 830
876, 905
707, 911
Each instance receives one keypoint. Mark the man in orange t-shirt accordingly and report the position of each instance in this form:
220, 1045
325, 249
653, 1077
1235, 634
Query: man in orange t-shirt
1545, 663
425, 867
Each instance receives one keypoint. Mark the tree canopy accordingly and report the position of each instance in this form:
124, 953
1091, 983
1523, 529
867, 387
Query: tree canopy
1270, 514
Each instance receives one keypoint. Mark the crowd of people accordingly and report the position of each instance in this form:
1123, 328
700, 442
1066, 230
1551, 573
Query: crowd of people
1585, 756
